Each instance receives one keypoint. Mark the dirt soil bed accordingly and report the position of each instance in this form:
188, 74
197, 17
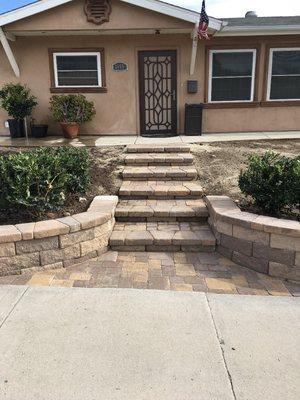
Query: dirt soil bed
219, 164
106, 164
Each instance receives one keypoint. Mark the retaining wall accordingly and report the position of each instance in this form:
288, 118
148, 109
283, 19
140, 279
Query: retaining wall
60, 242
264, 244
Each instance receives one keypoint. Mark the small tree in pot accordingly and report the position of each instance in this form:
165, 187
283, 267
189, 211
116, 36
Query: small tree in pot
71, 110
19, 103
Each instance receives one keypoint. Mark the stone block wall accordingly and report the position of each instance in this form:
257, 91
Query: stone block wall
264, 244
60, 242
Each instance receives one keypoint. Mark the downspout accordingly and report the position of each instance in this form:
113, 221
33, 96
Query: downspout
9, 53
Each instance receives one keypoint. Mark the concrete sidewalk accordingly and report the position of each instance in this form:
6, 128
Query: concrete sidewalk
124, 140
110, 344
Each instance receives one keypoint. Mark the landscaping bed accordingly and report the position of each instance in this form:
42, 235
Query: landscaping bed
58, 243
264, 244
219, 164
105, 180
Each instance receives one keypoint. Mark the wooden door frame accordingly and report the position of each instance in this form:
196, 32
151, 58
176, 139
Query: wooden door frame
174, 111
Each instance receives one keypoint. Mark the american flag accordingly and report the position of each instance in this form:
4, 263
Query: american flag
203, 23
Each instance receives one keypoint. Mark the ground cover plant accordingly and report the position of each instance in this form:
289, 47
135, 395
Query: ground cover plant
272, 181
219, 165
102, 172
43, 179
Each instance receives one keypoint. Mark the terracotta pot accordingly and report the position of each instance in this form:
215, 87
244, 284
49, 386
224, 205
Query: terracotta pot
70, 129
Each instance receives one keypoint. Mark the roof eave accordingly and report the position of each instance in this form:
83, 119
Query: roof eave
31, 9
174, 11
259, 30
153, 5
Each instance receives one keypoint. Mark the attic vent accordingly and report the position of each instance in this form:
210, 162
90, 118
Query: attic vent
97, 11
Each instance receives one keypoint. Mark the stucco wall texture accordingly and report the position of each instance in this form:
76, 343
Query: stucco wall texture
118, 109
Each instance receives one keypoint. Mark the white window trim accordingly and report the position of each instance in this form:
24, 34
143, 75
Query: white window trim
211, 53
91, 53
270, 67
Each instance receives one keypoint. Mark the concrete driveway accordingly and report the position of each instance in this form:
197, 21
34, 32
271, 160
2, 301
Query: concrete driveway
113, 344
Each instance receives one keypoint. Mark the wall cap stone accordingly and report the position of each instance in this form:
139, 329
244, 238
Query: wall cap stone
100, 211
57, 243
222, 208
26, 230
9, 233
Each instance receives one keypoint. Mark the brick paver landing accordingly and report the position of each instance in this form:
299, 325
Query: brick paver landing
201, 272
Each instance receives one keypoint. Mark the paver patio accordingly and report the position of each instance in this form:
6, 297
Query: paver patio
198, 272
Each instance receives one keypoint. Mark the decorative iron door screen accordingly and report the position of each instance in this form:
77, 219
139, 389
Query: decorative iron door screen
158, 93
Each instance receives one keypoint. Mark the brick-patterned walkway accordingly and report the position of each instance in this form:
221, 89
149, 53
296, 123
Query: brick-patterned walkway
201, 272
161, 238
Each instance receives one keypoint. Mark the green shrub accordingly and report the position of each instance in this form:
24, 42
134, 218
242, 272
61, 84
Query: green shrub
17, 101
273, 181
72, 108
42, 179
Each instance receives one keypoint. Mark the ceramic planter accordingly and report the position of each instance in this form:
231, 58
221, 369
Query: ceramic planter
16, 128
39, 131
70, 129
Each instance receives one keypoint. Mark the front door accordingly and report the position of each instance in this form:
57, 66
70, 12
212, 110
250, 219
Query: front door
158, 93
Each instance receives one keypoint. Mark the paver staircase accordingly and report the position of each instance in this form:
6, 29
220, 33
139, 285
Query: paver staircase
161, 206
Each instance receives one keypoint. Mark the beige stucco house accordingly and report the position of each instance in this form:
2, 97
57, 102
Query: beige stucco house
141, 62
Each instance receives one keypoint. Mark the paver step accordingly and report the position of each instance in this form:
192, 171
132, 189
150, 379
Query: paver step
159, 159
177, 173
160, 190
153, 148
161, 210
162, 236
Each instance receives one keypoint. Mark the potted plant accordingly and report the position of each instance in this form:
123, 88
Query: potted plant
38, 130
19, 103
71, 110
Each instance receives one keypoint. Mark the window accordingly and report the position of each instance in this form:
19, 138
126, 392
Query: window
231, 75
284, 74
77, 71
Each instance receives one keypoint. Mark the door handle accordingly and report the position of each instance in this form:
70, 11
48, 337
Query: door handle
174, 95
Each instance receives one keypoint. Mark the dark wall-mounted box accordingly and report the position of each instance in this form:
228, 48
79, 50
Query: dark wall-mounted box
192, 86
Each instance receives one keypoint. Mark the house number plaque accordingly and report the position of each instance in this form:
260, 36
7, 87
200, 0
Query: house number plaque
120, 66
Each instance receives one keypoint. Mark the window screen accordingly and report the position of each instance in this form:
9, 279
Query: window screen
284, 74
232, 75
77, 70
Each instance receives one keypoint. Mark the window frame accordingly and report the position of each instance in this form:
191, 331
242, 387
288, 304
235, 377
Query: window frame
55, 88
253, 76
269, 75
